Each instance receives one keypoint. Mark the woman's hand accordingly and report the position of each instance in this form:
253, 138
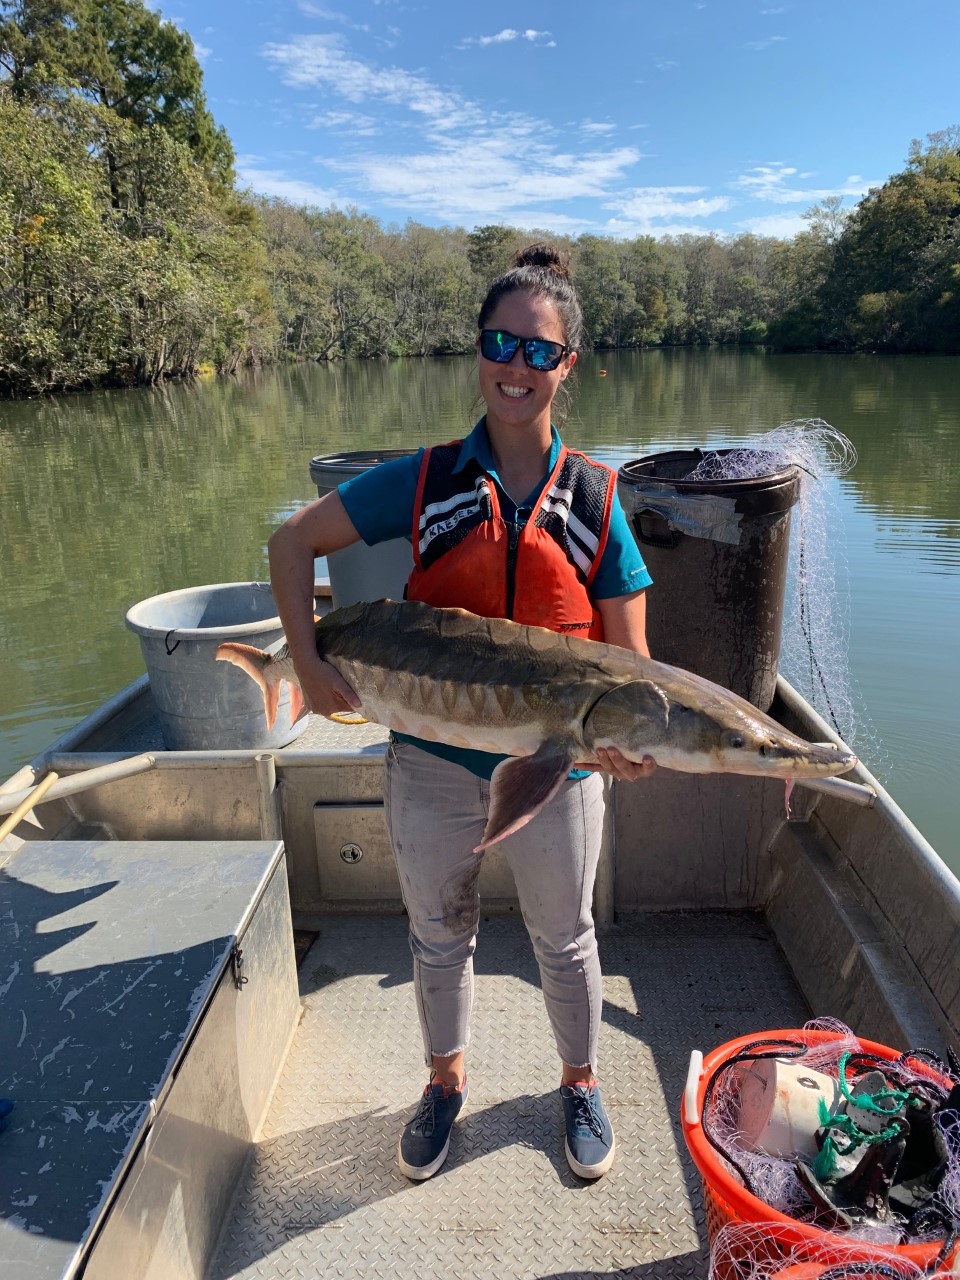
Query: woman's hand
612, 761
324, 689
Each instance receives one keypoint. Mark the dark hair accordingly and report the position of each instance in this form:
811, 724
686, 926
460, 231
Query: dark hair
540, 269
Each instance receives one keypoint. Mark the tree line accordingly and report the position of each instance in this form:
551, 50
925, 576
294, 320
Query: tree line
127, 255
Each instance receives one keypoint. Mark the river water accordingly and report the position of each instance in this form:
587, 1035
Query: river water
113, 497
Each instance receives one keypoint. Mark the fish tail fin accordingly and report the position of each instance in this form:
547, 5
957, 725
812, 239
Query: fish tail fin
298, 708
257, 664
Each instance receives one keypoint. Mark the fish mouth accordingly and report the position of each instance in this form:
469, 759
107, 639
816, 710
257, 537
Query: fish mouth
806, 760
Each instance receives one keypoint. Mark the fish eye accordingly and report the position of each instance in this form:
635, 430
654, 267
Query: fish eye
735, 740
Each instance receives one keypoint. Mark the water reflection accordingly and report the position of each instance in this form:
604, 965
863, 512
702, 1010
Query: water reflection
113, 497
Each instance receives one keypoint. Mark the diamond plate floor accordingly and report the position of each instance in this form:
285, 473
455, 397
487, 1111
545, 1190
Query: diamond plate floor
323, 1195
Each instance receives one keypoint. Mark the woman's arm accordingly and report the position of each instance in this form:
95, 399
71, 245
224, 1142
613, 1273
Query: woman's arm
625, 624
625, 621
316, 530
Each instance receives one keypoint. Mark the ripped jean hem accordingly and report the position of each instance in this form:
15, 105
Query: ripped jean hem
449, 1053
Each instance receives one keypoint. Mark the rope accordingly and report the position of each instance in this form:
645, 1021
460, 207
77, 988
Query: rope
826, 1162
869, 1101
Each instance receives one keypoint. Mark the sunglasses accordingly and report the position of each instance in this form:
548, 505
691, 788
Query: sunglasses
538, 353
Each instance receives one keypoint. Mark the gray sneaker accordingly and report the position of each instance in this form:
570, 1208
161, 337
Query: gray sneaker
590, 1143
425, 1141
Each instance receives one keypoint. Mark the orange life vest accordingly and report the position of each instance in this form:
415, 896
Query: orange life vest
465, 554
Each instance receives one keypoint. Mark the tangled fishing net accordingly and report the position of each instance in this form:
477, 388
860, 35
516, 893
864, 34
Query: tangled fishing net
814, 654
880, 1162
752, 1251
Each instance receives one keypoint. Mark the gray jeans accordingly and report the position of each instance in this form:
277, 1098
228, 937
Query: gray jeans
436, 813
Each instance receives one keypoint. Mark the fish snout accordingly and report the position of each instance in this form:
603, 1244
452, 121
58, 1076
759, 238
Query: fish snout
774, 752
800, 759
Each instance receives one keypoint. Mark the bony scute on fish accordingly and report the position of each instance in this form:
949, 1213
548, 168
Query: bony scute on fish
548, 701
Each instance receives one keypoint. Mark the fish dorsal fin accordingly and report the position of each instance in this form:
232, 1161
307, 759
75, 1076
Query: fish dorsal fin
521, 786
638, 710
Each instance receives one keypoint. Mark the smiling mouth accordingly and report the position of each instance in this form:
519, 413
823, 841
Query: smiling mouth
514, 393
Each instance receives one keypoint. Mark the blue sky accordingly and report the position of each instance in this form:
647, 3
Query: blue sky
612, 118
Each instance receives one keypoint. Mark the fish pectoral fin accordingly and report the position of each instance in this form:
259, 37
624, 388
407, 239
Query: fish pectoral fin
521, 786
348, 717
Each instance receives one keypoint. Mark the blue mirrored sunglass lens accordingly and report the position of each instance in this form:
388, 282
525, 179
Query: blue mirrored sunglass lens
497, 345
542, 355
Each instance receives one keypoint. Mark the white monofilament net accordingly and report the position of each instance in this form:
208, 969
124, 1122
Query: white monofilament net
775, 1181
759, 1251
949, 1190
814, 652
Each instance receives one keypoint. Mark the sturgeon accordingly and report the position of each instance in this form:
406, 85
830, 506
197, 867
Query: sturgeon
548, 701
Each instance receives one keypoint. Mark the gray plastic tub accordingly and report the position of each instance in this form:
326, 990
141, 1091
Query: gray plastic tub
361, 572
204, 704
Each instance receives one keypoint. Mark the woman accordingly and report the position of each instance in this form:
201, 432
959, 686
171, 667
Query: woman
506, 523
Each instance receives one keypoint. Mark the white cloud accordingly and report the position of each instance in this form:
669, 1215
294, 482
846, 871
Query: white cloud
320, 11
640, 211
508, 35
545, 220
201, 51
772, 182
473, 163
758, 45
629, 230
490, 175
275, 184
346, 122
783, 226
321, 61
596, 128
666, 64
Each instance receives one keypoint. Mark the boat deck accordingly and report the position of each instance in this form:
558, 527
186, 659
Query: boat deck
322, 1194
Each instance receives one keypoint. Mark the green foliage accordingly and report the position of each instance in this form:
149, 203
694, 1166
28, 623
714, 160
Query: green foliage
125, 255
890, 282
38, 45
118, 54
490, 249
119, 262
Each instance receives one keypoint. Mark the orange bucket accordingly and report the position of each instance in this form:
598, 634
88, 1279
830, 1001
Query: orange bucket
726, 1200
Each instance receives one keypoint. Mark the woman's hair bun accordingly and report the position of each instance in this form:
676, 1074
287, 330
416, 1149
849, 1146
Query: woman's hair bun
546, 256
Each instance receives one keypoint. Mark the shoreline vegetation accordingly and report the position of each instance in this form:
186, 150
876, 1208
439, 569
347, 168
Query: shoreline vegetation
127, 256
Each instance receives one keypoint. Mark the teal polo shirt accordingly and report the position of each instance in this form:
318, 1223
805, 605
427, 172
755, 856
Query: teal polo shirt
380, 505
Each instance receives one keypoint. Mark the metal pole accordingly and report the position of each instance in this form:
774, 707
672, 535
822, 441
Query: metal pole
271, 824
24, 807
853, 792
82, 781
